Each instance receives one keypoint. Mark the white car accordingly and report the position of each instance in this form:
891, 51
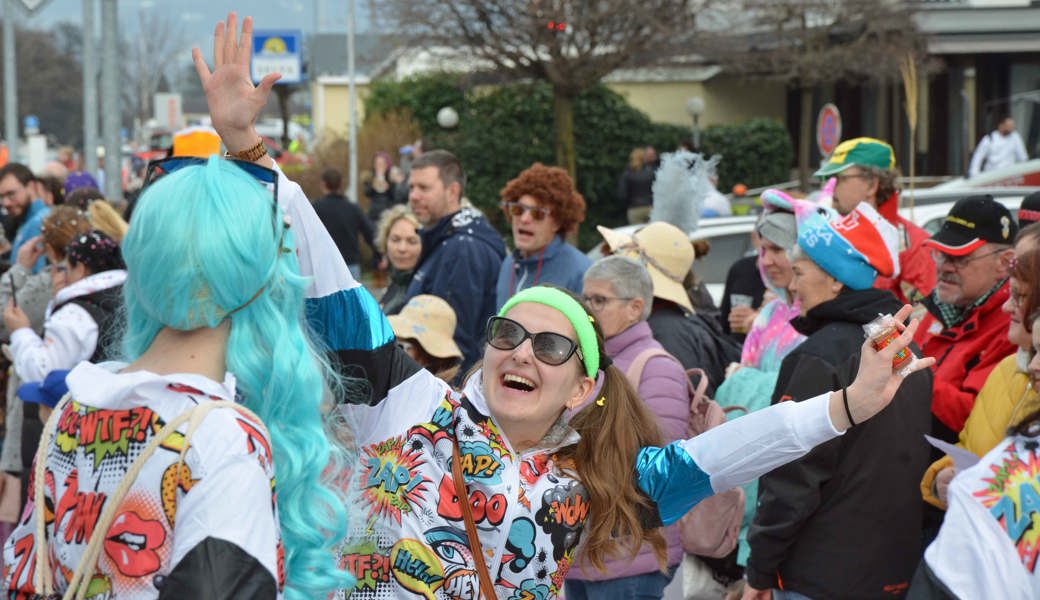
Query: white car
730, 237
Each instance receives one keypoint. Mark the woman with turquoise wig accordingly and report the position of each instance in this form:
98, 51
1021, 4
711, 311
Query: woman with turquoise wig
199, 467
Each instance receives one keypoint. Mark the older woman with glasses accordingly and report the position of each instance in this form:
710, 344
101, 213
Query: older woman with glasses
619, 292
1007, 395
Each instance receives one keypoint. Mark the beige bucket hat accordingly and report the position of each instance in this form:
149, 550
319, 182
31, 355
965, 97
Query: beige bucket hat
665, 250
430, 321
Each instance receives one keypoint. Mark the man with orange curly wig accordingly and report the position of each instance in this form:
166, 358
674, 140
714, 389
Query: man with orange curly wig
542, 206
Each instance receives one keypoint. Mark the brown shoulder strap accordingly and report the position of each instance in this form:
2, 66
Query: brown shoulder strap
487, 589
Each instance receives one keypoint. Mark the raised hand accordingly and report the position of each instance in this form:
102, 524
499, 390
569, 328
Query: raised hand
876, 382
234, 102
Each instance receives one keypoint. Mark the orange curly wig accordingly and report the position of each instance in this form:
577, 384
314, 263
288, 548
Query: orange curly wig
553, 187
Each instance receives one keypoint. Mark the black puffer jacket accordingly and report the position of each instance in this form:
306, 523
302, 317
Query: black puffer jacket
845, 520
697, 341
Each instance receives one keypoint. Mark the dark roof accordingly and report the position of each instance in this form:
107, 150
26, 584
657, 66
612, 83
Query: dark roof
327, 53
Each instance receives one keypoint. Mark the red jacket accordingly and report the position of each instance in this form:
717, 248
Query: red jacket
964, 356
917, 271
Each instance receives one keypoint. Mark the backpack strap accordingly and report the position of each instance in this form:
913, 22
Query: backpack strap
634, 372
77, 588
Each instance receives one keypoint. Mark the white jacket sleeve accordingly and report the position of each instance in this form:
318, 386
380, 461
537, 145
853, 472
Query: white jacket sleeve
979, 156
69, 337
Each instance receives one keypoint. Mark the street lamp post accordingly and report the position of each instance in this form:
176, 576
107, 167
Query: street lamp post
695, 108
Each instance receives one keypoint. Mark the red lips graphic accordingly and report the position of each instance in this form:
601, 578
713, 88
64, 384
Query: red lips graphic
131, 544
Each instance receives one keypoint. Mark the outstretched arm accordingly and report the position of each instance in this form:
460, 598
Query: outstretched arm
683, 473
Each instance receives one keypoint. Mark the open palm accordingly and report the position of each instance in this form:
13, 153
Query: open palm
234, 102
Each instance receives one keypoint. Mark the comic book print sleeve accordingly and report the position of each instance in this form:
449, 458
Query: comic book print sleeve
683, 473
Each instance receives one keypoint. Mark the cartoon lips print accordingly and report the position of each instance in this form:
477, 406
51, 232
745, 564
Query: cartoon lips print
131, 544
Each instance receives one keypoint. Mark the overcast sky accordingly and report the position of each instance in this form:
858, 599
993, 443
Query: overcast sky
196, 18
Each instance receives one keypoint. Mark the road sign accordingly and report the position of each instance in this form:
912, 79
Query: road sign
828, 129
278, 51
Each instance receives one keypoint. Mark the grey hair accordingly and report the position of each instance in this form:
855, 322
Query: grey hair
796, 253
627, 276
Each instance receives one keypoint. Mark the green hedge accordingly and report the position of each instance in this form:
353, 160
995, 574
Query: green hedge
756, 153
502, 132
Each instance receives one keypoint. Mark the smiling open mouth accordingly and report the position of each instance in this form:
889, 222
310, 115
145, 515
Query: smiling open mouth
516, 382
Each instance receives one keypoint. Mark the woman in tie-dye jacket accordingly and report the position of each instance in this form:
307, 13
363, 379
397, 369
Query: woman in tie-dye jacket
771, 336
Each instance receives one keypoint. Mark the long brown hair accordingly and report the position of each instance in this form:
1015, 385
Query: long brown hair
613, 429
1026, 270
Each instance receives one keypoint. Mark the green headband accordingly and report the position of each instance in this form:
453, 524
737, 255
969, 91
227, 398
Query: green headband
571, 309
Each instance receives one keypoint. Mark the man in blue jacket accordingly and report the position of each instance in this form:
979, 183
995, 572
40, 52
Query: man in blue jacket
461, 252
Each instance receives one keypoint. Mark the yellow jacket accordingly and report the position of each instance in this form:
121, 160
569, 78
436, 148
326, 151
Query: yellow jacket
1005, 397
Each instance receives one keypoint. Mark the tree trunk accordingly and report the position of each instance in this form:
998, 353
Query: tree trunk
805, 134
563, 111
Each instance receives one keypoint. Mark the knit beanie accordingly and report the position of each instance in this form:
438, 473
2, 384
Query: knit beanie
854, 249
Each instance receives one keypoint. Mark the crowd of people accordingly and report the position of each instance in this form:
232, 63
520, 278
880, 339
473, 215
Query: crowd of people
205, 402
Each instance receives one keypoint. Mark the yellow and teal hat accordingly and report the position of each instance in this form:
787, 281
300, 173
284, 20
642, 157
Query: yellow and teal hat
862, 151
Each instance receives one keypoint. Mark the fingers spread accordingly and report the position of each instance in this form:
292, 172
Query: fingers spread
231, 38
245, 44
218, 45
200, 66
268, 82
903, 313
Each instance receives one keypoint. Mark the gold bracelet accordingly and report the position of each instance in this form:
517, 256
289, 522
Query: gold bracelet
250, 154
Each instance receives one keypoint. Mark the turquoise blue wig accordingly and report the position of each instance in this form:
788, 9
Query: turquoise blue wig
204, 247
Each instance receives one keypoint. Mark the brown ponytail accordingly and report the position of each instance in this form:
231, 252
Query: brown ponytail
611, 436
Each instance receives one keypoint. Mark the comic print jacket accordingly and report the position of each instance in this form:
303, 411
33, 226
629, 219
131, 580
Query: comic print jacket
989, 544
408, 541
179, 533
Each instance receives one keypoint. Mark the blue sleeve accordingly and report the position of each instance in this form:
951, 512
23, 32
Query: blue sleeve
502, 287
463, 272
671, 478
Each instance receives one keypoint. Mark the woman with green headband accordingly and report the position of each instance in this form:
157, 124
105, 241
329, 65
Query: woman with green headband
489, 491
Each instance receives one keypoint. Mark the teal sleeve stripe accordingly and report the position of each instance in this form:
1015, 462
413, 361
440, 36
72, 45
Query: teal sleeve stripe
671, 478
349, 320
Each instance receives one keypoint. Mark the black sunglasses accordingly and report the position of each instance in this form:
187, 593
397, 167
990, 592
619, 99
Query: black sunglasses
550, 348
159, 168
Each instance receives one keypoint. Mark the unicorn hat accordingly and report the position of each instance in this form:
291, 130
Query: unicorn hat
854, 249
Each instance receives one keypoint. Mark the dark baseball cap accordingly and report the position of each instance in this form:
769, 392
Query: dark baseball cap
972, 222
1029, 212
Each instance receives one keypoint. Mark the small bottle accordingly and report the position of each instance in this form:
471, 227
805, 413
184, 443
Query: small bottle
881, 332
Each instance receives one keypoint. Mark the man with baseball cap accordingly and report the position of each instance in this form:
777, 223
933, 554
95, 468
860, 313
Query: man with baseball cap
864, 170
965, 328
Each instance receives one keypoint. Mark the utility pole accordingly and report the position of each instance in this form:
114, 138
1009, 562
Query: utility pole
10, 82
90, 91
351, 103
110, 101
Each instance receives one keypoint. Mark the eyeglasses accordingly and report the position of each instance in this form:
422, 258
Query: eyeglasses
8, 194
405, 345
958, 262
598, 302
843, 176
159, 168
550, 348
515, 209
